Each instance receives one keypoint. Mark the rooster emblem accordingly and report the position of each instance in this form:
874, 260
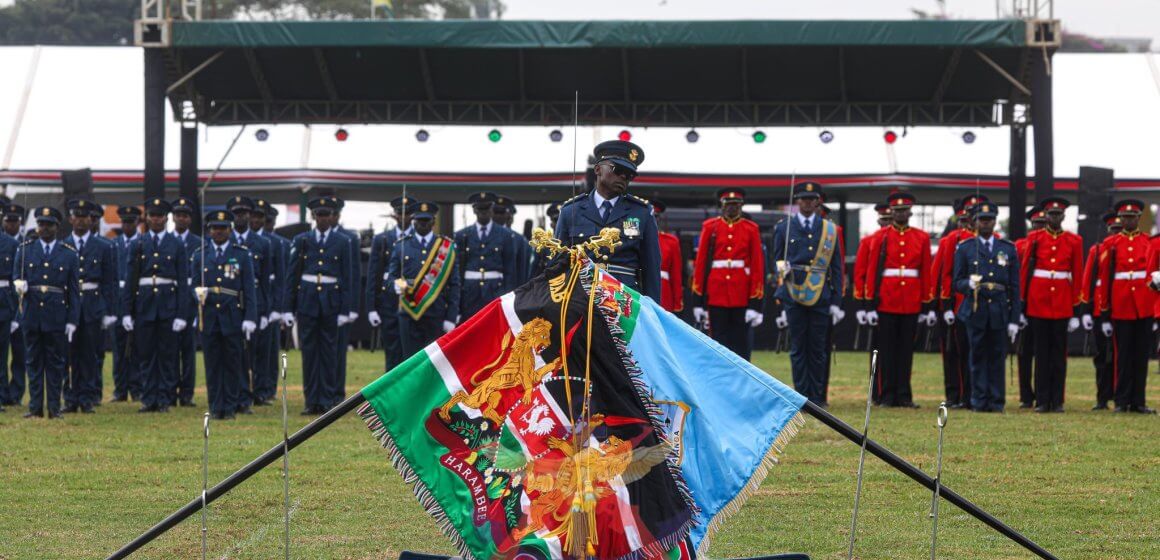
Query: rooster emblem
537, 421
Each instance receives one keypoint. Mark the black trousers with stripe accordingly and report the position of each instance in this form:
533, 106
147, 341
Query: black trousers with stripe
955, 350
895, 343
1131, 344
1050, 336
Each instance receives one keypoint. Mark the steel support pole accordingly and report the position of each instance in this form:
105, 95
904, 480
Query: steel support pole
154, 123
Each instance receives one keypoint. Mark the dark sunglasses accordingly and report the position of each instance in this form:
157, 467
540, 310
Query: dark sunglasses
622, 170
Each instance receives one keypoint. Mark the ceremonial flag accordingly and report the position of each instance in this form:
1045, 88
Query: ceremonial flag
574, 417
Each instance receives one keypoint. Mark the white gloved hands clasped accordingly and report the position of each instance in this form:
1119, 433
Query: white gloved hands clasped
782, 321
13, 326
836, 314
20, 286
399, 289
263, 322
248, 328
179, 325
275, 317
1106, 327
1156, 279
1022, 321
69, 329
108, 321
872, 318
374, 319
1012, 331
448, 326
860, 316
343, 320
1088, 324
949, 317
127, 323
700, 315
288, 320
753, 318
1072, 324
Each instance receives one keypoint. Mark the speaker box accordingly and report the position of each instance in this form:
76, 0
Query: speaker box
77, 184
1095, 198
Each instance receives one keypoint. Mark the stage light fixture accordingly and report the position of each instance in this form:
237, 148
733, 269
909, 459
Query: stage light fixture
556, 135
759, 137
422, 135
262, 135
890, 137
624, 136
692, 136
826, 137
495, 135
341, 135
968, 137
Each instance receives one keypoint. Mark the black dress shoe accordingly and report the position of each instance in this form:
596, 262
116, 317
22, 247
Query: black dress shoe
1041, 408
56, 414
187, 404
1100, 405
1057, 408
1143, 410
70, 409
121, 398
162, 409
1028, 405
87, 409
261, 402
1120, 409
36, 414
146, 408
245, 410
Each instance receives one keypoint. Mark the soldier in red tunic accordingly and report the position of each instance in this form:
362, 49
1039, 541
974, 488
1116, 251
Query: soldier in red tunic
1102, 360
898, 295
672, 286
1025, 348
953, 343
729, 274
1051, 264
1125, 301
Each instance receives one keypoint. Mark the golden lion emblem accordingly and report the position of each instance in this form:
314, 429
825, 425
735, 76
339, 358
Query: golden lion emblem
518, 371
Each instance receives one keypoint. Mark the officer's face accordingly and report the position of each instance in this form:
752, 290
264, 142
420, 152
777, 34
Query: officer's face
241, 219
1036, 225
482, 213
129, 226
81, 224
422, 225
1055, 219
501, 215
1130, 221
219, 234
46, 229
324, 219
257, 221
12, 226
399, 221
986, 226
731, 210
807, 205
182, 220
901, 216
156, 221
883, 220
612, 180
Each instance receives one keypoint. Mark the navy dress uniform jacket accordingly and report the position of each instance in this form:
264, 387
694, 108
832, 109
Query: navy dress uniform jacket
53, 299
261, 252
280, 268
380, 295
325, 299
232, 287
999, 303
480, 258
8, 299
156, 260
97, 274
637, 261
407, 259
803, 247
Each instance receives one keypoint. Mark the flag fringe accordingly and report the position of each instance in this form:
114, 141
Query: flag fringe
770, 460
411, 478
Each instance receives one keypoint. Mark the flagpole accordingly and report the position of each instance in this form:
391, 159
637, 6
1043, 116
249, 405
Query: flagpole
255, 466
922, 478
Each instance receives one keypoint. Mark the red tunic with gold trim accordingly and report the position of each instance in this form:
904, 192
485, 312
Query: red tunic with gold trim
1153, 265
1089, 269
672, 287
862, 263
942, 269
905, 281
1054, 287
736, 267
1123, 268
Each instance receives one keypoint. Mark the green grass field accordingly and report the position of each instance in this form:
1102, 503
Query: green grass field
1083, 484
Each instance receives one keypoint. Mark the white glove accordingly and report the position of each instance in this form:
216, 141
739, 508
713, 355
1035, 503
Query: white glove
1012, 331
949, 317
782, 321
448, 326
353, 316
343, 320
836, 314
1022, 321
21, 286
248, 328
13, 326
69, 329
288, 320
1107, 328
1154, 327
127, 323
275, 317
263, 322
750, 315
1156, 278
373, 317
399, 289
108, 321
860, 315
758, 320
700, 315
872, 318
1072, 324
972, 282
1087, 322
178, 325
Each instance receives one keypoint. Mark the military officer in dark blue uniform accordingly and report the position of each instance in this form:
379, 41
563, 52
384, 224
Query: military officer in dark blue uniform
50, 311
321, 300
183, 211
281, 270
381, 300
156, 305
226, 292
487, 258
97, 213
503, 212
97, 273
260, 251
353, 277
11, 378
424, 319
126, 377
265, 347
637, 262
987, 274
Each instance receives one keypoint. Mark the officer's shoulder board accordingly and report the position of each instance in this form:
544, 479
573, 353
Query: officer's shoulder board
638, 200
573, 199
27, 242
66, 245
240, 246
1002, 241
966, 240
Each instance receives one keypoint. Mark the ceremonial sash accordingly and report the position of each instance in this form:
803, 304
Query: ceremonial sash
810, 289
427, 285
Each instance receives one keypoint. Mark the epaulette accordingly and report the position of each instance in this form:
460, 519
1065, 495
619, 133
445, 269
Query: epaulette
63, 244
1007, 241
240, 246
573, 199
965, 240
633, 197
28, 242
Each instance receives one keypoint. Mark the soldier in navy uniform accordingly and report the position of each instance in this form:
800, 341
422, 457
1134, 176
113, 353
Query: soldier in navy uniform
381, 300
97, 213
987, 274
260, 250
226, 291
808, 315
97, 274
126, 377
11, 378
637, 262
280, 285
503, 213
183, 211
486, 258
50, 311
264, 350
408, 262
353, 277
156, 304
321, 301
